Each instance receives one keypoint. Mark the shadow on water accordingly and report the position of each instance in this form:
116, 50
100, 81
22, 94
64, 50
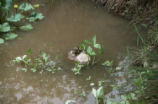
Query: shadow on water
67, 23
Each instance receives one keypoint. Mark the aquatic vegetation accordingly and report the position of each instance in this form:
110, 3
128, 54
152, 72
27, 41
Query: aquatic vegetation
108, 63
80, 93
5, 6
92, 48
77, 68
18, 20
98, 94
70, 101
26, 27
34, 16
39, 64
89, 78
100, 83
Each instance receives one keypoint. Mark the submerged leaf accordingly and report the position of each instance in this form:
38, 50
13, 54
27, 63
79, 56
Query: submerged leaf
26, 7
15, 18
10, 36
1, 41
26, 27
5, 27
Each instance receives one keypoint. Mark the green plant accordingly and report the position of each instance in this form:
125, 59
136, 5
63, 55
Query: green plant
41, 64
80, 93
92, 48
70, 101
5, 6
107, 63
89, 78
98, 94
11, 23
77, 68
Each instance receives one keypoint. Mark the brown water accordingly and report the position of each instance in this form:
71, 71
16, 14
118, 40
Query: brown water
67, 23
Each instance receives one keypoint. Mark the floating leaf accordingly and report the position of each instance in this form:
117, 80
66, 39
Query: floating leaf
26, 7
15, 18
1, 41
26, 27
10, 36
35, 16
5, 27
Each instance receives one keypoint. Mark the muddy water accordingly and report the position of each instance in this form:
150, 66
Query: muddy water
67, 23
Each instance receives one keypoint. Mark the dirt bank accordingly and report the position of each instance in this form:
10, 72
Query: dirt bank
132, 9
144, 13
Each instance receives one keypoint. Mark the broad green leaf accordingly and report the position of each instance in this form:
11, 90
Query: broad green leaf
10, 36
15, 18
94, 40
5, 27
94, 92
26, 7
70, 101
35, 16
100, 92
101, 51
90, 51
26, 27
1, 41
98, 46
29, 51
83, 45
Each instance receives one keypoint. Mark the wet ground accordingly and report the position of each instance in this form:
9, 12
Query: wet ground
67, 23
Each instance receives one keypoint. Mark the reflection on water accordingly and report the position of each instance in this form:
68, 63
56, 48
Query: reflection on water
67, 23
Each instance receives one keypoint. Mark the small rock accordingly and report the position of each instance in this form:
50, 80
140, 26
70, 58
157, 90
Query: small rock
82, 58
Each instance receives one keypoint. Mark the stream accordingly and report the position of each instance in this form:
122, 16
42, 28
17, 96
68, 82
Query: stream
66, 24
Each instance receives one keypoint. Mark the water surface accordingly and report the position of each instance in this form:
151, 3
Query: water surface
67, 23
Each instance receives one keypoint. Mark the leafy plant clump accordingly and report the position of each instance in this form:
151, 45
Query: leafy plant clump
40, 64
98, 94
19, 18
92, 48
